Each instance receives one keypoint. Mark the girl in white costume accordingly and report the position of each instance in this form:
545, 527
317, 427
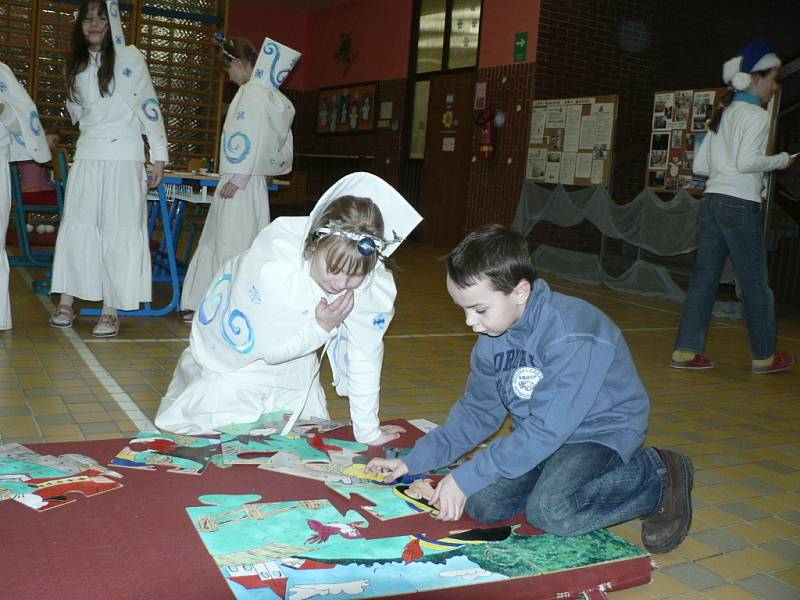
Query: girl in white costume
256, 143
102, 250
21, 138
254, 342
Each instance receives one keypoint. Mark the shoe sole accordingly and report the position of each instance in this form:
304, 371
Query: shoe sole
690, 368
681, 534
105, 335
771, 371
57, 326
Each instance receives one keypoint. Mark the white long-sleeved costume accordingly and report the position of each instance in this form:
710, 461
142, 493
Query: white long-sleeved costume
21, 138
255, 335
256, 143
102, 250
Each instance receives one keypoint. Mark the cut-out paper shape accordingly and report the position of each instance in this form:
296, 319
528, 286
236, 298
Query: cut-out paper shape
51, 492
184, 454
270, 423
416, 496
332, 472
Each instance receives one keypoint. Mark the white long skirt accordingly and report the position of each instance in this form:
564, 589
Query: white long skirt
199, 400
231, 226
102, 250
5, 272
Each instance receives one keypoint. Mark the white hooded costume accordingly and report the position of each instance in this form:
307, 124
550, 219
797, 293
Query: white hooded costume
22, 137
102, 250
255, 335
256, 143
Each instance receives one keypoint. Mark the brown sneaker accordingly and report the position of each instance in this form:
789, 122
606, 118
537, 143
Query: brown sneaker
665, 529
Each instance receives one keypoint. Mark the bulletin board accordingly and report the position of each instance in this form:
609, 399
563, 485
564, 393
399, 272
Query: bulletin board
680, 120
571, 140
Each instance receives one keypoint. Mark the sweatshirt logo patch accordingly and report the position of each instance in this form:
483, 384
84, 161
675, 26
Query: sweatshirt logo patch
524, 380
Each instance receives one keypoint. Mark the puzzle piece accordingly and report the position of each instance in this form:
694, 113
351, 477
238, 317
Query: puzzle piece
274, 422
51, 492
185, 454
386, 504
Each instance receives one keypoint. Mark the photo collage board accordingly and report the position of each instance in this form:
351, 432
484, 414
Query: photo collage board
680, 121
571, 140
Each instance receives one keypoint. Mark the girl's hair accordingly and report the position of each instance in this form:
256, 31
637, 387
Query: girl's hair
349, 214
238, 47
79, 53
725, 102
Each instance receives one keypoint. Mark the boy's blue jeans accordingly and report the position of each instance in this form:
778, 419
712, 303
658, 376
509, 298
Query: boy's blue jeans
578, 489
729, 225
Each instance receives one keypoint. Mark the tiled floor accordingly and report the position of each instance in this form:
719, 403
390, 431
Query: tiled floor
742, 430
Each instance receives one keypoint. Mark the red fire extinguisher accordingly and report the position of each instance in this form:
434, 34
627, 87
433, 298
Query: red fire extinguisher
485, 123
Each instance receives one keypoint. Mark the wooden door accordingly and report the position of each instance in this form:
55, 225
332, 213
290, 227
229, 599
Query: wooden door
448, 150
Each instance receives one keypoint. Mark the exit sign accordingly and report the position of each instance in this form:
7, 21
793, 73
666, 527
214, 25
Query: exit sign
521, 46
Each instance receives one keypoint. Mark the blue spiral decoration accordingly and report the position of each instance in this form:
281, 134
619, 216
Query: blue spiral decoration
217, 302
276, 78
236, 147
36, 126
150, 109
113, 10
214, 299
246, 346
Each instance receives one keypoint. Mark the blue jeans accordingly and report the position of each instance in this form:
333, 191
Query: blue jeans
578, 489
732, 226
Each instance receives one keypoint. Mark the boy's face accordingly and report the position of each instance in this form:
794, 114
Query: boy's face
488, 311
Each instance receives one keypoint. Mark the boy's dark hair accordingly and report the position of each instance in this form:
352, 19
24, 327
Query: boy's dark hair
493, 252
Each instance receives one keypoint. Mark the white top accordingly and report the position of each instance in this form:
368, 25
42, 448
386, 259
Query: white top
734, 158
108, 125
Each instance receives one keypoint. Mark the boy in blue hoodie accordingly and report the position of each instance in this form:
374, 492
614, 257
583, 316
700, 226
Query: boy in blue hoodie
574, 461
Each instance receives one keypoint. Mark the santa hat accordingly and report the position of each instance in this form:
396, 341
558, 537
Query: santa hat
115, 24
758, 56
275, 62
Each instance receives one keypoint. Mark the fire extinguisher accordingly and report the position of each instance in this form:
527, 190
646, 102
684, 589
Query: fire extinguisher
485, 123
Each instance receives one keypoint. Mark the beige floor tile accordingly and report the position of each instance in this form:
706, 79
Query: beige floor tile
761, 559
664, 586
730, 592
61, 430
728, 567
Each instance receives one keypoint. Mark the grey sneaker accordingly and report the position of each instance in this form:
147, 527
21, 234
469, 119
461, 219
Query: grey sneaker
665, 529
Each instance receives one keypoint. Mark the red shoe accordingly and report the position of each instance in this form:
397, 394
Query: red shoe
782, 361
696, 363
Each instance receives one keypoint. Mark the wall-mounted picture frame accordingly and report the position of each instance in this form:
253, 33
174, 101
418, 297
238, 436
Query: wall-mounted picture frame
347, 109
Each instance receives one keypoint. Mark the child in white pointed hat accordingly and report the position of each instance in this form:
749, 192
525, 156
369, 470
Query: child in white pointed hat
733, 155
102, 251
256, 143
305, 283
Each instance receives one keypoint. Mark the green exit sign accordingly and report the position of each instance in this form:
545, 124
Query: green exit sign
520, 46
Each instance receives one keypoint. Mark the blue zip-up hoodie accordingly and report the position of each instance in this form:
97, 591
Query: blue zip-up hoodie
565, 374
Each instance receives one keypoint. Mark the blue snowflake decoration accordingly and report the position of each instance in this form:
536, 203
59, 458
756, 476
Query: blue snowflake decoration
255, 295
379, 322
118, 40
240, 115
127, 72
259, 73
3, 86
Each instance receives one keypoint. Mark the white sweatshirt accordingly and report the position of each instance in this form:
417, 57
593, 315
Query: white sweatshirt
734, 158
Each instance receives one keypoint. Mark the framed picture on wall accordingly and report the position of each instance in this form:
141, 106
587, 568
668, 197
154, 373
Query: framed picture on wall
347, 109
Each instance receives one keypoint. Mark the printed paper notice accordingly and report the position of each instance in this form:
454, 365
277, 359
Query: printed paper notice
537, 125
386, 110
605, 125
537, 161
556, 117
573, 128
448, 144
567, 170
588, 133
597, 171
553, 167
603, 108
583, 166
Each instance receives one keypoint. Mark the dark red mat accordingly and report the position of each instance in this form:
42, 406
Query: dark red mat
138, 542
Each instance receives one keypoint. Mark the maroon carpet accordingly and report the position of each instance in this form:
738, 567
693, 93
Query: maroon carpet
138, 542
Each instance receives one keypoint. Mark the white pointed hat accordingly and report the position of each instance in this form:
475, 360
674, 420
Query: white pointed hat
274, 63
115, 24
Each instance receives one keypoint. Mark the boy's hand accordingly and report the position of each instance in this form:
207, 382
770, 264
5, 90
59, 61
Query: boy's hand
388, 433
449, 499
330, 315
392, 468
